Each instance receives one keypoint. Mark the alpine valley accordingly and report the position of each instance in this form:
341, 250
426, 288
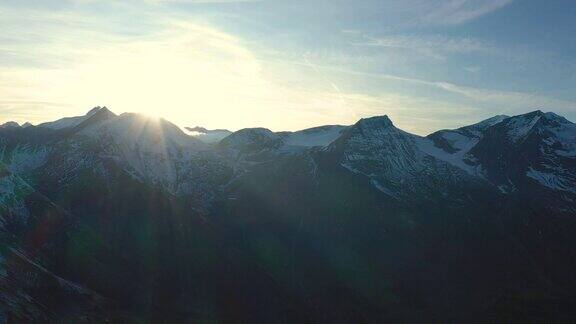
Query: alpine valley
129, 219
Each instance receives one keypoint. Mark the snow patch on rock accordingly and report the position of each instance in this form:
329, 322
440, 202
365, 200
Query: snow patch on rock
551, 180
318, 136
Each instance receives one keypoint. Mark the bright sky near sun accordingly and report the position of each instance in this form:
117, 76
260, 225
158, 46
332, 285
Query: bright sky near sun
287, 65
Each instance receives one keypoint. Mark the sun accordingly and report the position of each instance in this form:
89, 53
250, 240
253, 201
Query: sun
191, 74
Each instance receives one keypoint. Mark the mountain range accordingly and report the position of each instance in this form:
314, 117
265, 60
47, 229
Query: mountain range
126, 218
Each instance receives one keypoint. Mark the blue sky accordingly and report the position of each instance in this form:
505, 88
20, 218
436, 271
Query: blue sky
288, 65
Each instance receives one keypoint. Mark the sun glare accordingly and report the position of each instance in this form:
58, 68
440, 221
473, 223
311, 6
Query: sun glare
191, 73
187, 73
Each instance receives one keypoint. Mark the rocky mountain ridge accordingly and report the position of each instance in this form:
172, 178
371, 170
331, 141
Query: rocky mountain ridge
140, 217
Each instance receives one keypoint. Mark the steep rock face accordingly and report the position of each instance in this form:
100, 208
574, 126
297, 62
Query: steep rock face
460, 141
17, 168
531, 153
532, 144
376, 148
69, 122
398, 163
528, 153
153, 151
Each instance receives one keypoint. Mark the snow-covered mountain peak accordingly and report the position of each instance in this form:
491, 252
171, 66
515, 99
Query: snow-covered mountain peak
518, 127
262, 143
136, 129
521, 126
152, 149
396, 162
161, 152
553, 120
317, 136
70, 122
533, 148
249, 137
483, 125
371, 131
374, 132
461, 140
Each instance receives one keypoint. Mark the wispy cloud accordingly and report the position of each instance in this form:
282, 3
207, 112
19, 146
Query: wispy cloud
454, 12
434, 46
473, 69
482, 101
512, 101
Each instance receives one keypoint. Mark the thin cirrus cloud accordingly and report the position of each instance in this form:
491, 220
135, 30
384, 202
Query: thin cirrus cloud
454, 12
326, 14
465, 103
433, 46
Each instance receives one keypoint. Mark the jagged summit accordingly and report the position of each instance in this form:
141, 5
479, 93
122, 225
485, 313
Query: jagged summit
101, 111
503, 127
70, 122
520, 127
95, 117
549, 118
461, 140
487, 123
137, 128
539, 114
375, 122
372, 129
534, 148
95, 110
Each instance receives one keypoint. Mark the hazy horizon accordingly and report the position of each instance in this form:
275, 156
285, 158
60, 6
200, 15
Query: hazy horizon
235, 64
184, 126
